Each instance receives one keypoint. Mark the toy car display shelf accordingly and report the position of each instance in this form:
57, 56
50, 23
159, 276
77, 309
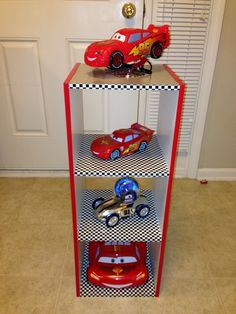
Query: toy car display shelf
156, 162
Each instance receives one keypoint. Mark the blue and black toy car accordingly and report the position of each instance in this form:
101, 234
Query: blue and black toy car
126, 202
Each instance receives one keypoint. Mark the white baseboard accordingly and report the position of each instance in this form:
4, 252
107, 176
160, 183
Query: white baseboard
180, 173
217, 174
34, 173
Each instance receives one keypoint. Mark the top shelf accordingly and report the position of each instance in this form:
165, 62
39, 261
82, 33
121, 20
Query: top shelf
85, 77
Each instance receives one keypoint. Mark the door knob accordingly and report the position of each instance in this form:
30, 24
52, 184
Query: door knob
129, 10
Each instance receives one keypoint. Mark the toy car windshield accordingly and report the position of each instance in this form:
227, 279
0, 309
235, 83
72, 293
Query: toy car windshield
117, 260
117, 139
119, 37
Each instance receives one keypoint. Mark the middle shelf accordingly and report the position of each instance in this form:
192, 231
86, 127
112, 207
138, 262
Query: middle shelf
129, 229
150, 163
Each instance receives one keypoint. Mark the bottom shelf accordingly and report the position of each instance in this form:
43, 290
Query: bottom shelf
89, 290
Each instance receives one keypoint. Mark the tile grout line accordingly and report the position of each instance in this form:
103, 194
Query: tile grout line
214, 283
219, 297
61, 277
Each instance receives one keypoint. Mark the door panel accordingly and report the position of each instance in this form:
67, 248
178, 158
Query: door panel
20, 67
37, 51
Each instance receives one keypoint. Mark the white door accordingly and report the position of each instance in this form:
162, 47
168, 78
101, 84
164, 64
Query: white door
39, 43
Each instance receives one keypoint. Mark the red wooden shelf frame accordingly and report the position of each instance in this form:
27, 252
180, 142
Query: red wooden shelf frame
169, 184
71, 169
172, 167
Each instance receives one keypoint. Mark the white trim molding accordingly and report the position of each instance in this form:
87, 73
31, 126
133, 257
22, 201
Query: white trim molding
213, 39
34, 173
217, 174
180, 173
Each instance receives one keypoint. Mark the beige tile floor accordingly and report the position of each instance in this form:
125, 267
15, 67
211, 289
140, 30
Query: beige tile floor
36, 258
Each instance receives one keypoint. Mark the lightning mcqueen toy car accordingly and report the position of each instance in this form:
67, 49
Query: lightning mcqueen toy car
128, 46
117, 264
122, 142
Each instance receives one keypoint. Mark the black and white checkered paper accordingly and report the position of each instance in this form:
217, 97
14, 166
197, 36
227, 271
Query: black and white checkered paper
123, 86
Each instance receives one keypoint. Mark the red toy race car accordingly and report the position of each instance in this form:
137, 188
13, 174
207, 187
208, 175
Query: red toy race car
128, 46
117, 264
122, 142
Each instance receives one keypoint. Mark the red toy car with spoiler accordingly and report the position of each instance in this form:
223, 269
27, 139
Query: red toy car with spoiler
122, 142
116, 264
128, 46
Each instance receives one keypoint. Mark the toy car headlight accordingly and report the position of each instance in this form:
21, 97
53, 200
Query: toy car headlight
100, 215
94, 276
140, 276
100, 51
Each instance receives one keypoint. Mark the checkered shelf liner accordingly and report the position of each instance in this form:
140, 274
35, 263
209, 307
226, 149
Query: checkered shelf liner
128, 229
89, 290
123, 86
149, 163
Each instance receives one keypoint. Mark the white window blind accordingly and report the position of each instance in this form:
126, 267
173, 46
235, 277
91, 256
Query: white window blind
188, 22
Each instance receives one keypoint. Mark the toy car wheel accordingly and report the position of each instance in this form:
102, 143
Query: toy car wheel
116, 60
142, 146
115, 154
142, 210
156, 50
112, 220
97, 202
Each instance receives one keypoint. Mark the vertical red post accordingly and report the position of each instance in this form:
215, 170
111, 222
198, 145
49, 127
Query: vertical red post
170, 181
71, 168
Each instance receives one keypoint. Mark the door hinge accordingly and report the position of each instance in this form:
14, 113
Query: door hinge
144, 12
